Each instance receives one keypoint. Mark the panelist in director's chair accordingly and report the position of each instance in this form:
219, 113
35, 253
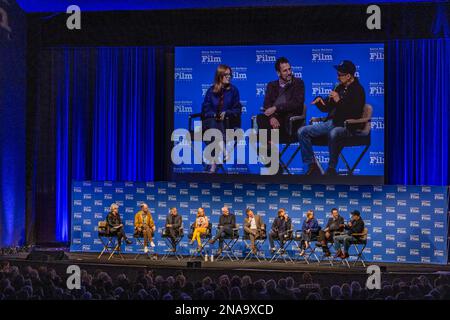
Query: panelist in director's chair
200, 232
221, 109
173, 233
227, 234
144, 230
255, 231
344, 105
112, 229
325, 241
282, 233
304, 237
283, 110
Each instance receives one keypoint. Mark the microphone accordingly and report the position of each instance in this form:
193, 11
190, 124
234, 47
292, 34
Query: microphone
336, 85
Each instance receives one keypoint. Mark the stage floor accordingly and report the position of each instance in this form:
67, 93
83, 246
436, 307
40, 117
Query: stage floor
90, 261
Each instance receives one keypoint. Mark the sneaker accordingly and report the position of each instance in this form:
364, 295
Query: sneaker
145, 249
152, 244
313, 170
172, 250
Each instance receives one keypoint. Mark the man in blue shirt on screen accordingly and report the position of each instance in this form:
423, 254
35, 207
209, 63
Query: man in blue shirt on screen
345, 102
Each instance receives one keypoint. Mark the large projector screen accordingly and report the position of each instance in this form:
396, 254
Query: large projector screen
252, 69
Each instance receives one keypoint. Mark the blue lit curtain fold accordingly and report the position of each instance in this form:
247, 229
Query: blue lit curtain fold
105, 103
418, 91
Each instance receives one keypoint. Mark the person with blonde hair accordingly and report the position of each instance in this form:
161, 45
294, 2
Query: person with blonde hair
200, 227
221, 101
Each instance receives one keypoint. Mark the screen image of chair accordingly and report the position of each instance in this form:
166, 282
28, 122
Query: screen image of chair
204, 238
108, 240
360, 138
295, 123
229, 241
259, 241
172, 250
229, 122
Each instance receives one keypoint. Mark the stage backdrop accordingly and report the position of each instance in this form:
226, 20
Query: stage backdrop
405, 223
254, 66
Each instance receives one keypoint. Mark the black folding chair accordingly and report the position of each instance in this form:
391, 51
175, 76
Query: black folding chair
139, 237
259, 241
204, 238
295, 123
359, 247
230, 122
330, 245
173, 247
109, 241
358, 139
310, 252
283, 244
229, 241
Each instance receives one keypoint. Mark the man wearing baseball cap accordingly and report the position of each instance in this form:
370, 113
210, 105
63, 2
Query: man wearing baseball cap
353, 229
345, 102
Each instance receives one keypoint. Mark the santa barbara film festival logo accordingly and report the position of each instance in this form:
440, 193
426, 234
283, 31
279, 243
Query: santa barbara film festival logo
211, 147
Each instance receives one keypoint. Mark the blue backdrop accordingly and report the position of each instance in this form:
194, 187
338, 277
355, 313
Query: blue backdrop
253, 68
405, 223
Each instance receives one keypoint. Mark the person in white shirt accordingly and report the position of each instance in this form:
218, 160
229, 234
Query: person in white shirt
253, 226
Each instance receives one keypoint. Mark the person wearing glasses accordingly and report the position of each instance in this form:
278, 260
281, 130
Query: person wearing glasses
283, 99
345, 102
221, 108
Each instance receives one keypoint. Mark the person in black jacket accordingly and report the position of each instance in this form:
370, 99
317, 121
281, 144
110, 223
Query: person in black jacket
355, 226
283, 99
280, 228
227, 222
334, 225
174, 222
115, 225
345, 102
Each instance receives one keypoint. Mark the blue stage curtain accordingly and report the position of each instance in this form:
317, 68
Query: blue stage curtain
105, 104
418, 115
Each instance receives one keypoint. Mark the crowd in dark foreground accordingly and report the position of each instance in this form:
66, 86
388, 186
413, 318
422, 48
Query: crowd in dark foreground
46, 284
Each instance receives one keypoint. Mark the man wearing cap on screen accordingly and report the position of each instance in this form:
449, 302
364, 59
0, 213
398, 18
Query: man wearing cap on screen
353, 231
345, 102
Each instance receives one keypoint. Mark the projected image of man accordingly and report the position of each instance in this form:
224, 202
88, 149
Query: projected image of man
345, 102
283, 99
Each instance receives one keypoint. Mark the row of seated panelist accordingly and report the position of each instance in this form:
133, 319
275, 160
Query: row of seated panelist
336, 233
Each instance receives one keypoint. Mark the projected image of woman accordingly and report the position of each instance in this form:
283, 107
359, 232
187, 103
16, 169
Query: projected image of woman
221, 108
